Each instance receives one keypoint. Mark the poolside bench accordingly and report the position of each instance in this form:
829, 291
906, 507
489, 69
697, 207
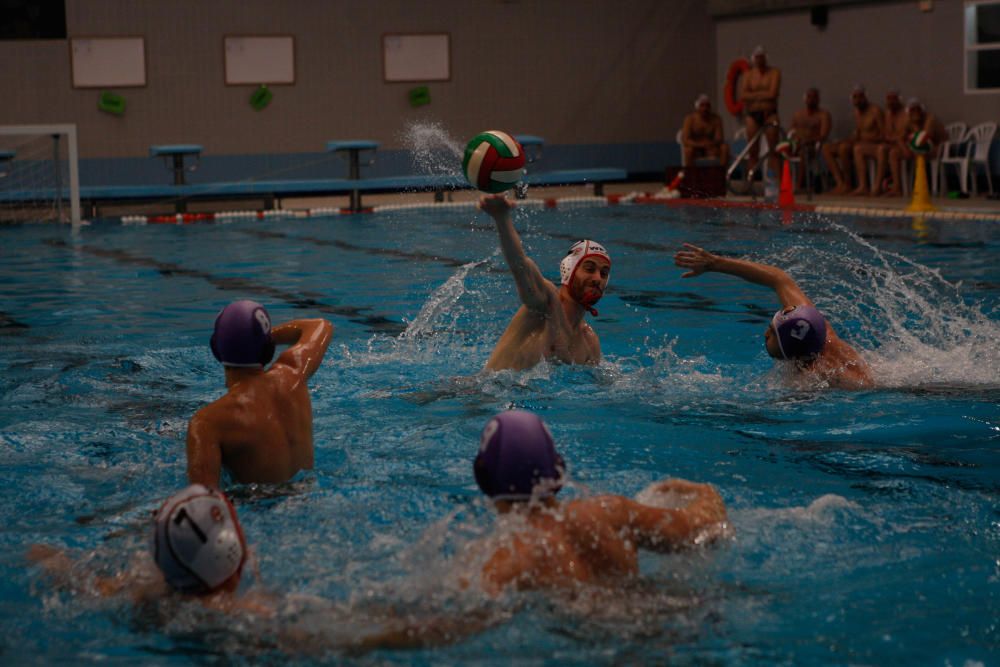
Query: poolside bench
174, 155
598, 177
533, 146
180, 192
353, 149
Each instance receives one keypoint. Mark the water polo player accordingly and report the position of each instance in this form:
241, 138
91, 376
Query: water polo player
798, 332
550, 324
198, 542
261, 429
198, 548
589, 540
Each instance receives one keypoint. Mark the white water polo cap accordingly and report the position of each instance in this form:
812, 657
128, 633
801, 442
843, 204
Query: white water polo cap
198, 543
580, 251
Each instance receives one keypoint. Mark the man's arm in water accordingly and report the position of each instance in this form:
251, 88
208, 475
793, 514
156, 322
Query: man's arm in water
308, 340
698, 261
535, 291
668, 529
429, 631
65, 573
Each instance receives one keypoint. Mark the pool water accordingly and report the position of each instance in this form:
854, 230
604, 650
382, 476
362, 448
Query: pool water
865, 525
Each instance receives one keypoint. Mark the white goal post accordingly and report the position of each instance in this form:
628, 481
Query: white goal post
39, 173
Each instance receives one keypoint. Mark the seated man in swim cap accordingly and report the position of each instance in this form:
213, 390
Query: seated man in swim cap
701, 136
798, 332
198, 548
918, 122
811, 128
261, 429
549, 324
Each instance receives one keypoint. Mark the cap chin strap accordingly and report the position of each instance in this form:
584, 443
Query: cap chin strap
589, 307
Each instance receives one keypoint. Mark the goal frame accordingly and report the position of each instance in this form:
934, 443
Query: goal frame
72, 156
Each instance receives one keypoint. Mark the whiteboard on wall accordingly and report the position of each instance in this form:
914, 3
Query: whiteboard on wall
257, 59
416, 57
108, 62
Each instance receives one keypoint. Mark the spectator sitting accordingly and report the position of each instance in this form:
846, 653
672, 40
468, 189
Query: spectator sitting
867, 133
702, 135
871, 131
811, 127
896, 121
934, 137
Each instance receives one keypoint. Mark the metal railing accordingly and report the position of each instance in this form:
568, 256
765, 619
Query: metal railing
747, 184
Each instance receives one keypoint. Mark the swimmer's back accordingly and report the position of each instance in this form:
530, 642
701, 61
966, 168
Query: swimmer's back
263, 426
842, 367
578, 543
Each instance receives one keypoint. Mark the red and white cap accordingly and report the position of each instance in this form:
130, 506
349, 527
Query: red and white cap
198, 543
580, 251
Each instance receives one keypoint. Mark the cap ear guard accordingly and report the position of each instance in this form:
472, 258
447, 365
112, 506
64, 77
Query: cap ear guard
215, 350
267, 351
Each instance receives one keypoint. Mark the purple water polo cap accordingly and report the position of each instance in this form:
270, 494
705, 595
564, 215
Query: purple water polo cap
801, 332
242, 336
517, 458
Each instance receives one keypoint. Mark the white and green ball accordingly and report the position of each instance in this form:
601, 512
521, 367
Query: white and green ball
919, 143
493, 162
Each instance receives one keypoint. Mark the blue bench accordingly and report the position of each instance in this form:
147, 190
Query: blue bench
353, 149
533, 146
267, 190
598, 177
175, 154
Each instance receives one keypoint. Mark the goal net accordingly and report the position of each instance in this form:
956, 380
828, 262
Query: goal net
39, 176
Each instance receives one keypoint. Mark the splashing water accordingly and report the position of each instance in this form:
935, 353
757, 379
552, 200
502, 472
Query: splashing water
434, 150
917, 327
442, 309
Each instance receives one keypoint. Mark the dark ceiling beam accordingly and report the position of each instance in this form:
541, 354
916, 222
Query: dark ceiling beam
721, 9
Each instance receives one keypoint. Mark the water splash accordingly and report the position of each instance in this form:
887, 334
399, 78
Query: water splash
443, 308
917, 328
446, 322
433, 150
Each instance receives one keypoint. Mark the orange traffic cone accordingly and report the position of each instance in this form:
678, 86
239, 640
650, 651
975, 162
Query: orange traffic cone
786, 195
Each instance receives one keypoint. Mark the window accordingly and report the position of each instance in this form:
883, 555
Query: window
982, 46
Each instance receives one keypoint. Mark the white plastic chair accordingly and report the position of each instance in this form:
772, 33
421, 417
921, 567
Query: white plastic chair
982, 137
951, 149
976, 151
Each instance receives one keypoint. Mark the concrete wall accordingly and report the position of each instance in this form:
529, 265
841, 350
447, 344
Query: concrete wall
881, 45
580, 72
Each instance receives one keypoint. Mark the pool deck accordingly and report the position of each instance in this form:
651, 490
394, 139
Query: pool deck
823, 203
979, 208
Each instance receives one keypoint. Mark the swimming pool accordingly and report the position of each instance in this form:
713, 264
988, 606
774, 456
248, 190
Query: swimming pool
866, 524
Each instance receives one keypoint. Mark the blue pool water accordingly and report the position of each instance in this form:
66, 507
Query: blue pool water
866, 527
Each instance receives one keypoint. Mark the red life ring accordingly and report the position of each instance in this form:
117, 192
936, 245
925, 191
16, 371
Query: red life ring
731, 90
